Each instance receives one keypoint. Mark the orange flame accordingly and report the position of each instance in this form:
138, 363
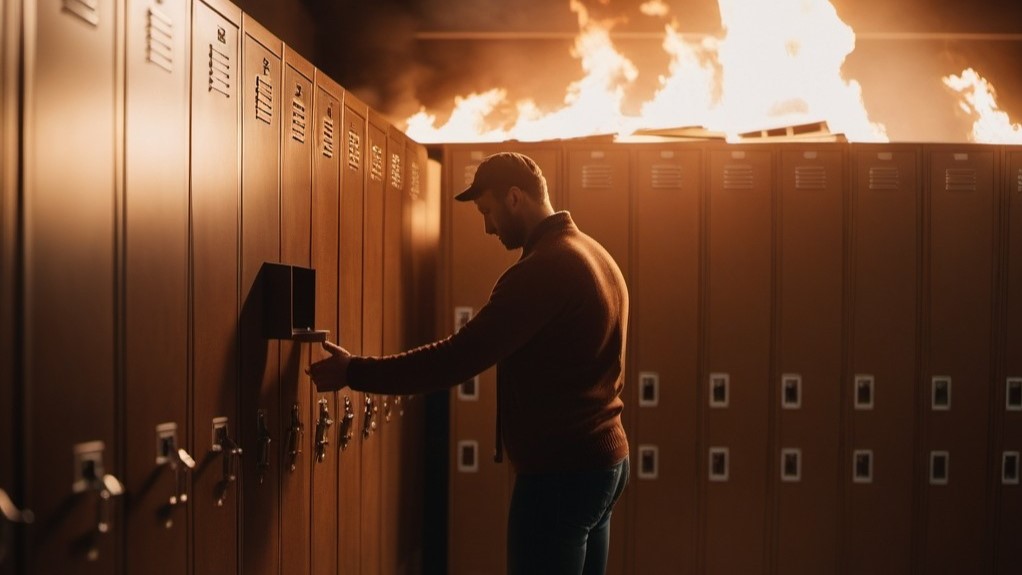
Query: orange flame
979, 99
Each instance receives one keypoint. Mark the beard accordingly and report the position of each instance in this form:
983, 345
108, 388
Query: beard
513, 236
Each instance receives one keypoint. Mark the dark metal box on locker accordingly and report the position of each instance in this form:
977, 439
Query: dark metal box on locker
295, 430
215, 210
961, 220
264, 109
155, 286
664, 336
69, 192
808, 344
884, 275
349, 403
735, 405
325, 124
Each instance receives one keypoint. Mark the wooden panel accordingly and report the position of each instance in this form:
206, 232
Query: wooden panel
738, 288
215, 186
156, 283
295, 386
327, 150
664, 337
264, 109
884, 280
69, 241
962, 216
809, 352
353, 165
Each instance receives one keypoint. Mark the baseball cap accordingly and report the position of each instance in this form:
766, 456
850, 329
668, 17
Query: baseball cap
502, 170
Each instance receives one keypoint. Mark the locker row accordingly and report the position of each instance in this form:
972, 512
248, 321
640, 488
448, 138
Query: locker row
188, 207
820, 371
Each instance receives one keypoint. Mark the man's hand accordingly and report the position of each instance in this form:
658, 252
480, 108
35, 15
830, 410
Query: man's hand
331, 374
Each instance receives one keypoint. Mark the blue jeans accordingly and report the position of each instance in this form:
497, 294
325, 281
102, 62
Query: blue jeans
559, 523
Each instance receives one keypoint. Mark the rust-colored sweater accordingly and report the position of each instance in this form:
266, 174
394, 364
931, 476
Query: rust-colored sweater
555, 325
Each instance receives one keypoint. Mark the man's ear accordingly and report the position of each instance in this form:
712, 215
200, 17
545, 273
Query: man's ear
514, 196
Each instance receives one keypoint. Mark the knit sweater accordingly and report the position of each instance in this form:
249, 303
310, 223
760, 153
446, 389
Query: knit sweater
555, 325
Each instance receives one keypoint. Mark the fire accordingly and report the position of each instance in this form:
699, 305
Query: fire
979, 99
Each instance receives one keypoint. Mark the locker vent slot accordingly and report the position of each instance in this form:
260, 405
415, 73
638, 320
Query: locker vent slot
738, 177
376, 163
264, 100
354, 151
87, 10
219, 72
160, 40
810, 178
884, 178
667, 177
960, 179
597, 176
1020, 180
298, 120
414, 189
395, 171
328, 135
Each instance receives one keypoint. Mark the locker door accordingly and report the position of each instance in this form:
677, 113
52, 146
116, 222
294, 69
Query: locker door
295, 385
665, 340
156, 285
880, 385
962, 214
372, 339
349, 403
264, 108
215, 191
326, 125
807, 405
1009, 398
597, 195
736, 380
73, 457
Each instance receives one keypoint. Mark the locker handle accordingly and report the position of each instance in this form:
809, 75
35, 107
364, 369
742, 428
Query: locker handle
347, 422
9, 513
295, 436
322, 429
231, 453
181, 463
263, 453
368, 422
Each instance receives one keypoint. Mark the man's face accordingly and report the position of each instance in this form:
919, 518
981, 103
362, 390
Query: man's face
499, 219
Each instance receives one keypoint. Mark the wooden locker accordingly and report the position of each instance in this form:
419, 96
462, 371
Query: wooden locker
1008, 402
372, 338
808, 340
296, 432
662, 395
215, 195
70, 187
884, 275
155, 289
327, 152
350, 403
596, 193
265, 108
961, 217
736, 377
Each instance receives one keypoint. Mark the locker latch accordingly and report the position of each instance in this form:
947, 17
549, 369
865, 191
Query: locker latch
9, 513
295, 435
347, 422
263, 453
322, 429
368, 421
90, 476
169, 454
222, 443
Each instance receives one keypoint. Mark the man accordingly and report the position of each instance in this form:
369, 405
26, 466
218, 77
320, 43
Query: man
555, 326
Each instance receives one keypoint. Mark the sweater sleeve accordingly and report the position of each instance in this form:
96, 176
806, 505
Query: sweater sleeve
519, 306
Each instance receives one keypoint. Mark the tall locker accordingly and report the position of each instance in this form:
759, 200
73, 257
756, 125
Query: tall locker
70, 190
664, 337
215, 194
295, 431
884, 274
736, 377
325, 124
263, 421
155, 289
372, 337
808, 342
597, 196
1008, 403
349, 403
961, 221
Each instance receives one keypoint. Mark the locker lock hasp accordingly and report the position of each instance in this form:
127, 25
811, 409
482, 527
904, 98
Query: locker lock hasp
289, 303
